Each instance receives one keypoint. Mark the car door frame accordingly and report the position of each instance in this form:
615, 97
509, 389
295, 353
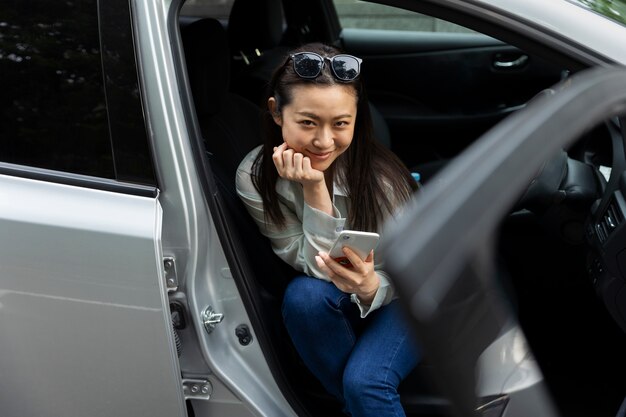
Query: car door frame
237, 378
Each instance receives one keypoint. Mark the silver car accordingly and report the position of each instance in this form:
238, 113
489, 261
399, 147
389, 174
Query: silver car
133, 283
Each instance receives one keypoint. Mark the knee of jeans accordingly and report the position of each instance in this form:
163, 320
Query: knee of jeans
354, 388
365, 379
304, 294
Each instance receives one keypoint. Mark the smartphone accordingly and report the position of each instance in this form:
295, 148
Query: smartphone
360, 242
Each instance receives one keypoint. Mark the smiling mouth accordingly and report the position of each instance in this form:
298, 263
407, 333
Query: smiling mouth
324, 155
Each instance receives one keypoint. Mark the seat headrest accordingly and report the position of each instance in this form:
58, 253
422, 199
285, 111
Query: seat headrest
255, 24
208, 63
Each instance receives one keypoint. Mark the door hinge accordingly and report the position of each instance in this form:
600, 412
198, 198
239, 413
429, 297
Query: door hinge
171, 278
197, 389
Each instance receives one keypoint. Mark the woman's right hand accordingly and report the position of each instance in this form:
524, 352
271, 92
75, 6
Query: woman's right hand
294, 166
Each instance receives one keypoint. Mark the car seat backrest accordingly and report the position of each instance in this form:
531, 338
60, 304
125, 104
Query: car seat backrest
230, 127
254, 27
208, 67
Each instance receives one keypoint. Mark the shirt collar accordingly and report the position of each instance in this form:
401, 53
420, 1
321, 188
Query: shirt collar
339, 189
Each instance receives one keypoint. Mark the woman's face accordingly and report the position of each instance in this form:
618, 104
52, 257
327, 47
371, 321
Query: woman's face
319, 122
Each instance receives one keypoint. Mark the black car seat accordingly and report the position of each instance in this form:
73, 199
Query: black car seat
230, 127
255, 33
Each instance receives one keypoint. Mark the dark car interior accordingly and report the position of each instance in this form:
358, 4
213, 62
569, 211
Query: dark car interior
432, 95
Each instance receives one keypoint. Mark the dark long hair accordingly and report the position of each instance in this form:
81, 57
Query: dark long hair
376, 180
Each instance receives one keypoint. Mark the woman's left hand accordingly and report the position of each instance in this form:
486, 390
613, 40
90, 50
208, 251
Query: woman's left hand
360, 279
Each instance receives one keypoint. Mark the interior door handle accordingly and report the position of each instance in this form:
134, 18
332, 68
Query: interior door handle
501, 63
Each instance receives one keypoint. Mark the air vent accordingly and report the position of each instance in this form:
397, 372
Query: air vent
612, 218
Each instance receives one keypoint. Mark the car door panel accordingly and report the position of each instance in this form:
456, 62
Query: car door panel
440, 91
85, 328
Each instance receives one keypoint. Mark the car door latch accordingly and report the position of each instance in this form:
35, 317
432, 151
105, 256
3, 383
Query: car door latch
211, 318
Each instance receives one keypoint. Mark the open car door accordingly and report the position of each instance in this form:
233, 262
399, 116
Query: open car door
84, 320
441, 251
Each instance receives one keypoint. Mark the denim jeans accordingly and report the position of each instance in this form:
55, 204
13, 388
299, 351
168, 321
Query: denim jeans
361, 361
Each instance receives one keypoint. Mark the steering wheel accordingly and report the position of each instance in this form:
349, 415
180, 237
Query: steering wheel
560, 180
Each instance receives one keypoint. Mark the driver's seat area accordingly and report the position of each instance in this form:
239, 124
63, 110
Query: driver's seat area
230, 127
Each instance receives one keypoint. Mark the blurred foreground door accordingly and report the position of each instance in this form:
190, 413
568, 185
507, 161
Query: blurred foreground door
441, 252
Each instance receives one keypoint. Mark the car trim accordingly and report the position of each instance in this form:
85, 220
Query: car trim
132, 152
78, 180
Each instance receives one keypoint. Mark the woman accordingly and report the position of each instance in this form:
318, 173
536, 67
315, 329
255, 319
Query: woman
321, 171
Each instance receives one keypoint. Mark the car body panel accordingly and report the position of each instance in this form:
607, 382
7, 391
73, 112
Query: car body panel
85, 328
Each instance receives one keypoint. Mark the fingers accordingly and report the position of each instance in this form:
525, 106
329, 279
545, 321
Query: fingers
329, 265
356, 261
334, 268
306, 164
357, 279
321, 264
277, 156
283, 158
283, 155
293, 165
296, 166
361, 279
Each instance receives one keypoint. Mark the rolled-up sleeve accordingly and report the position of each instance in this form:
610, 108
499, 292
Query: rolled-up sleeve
383, 296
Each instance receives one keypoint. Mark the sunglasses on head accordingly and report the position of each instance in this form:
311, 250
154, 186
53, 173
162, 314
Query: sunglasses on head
310, 65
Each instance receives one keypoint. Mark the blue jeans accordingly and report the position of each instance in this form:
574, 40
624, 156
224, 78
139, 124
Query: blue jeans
361, 361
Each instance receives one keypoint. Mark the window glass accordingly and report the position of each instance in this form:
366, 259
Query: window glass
364, 15
132, 155
218, 9
52, 108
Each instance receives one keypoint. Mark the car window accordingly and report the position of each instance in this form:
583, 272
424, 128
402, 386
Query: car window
364, 15
217, 9
54, 109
